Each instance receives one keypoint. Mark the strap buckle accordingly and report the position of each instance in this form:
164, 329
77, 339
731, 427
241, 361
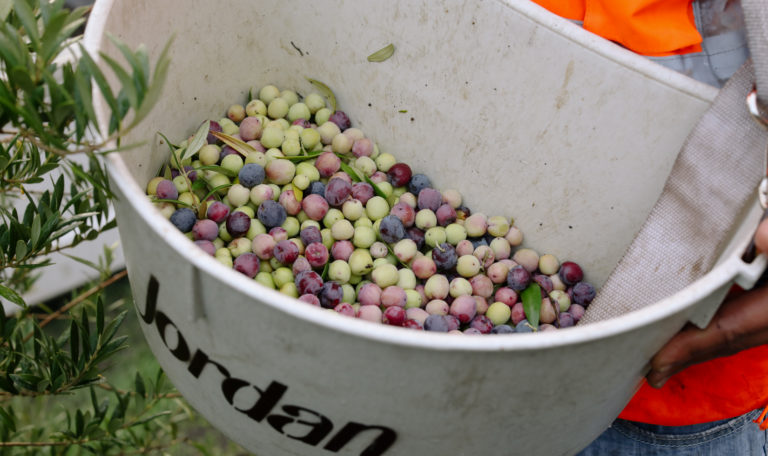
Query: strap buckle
759, 113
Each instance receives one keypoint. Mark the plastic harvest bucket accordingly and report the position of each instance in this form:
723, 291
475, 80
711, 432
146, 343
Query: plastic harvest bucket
524, 113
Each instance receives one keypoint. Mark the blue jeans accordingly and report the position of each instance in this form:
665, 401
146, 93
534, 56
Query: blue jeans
732, 437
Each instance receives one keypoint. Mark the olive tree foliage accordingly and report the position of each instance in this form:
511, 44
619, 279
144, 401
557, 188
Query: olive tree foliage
55, 194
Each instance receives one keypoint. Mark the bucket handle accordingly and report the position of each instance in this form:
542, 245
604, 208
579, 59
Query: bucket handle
747, 275
750, 272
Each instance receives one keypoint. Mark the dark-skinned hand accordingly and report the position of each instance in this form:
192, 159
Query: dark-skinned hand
740, 323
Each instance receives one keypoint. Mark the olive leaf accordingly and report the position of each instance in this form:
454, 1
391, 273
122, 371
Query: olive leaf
218, 169
378, 191
531, 297
382, 54
5, 9
173, 201
357, 176
198, 141
241, 147
301, 158
324, 274
325, 91
12, 296
353, 174
215, 190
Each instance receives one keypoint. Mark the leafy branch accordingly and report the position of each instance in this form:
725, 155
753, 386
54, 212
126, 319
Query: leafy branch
55, 194
50, 131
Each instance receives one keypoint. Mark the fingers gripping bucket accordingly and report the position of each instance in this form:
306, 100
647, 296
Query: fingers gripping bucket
524, 113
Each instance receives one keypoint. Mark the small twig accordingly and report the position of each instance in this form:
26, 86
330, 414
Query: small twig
80, 299
43, 316
31, 192
15, 264
108, 387
5, 394
32, 136
42, 444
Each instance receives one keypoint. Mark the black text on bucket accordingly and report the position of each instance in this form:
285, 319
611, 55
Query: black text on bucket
305, 425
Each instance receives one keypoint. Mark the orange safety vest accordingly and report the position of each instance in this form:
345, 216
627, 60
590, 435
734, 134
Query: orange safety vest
647, 27
715, 390
724, 387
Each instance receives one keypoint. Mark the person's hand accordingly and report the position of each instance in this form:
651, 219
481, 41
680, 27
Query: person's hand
740, 323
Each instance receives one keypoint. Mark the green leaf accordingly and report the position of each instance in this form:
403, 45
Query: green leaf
83, 96
155, 88
139, 385
382, 54
86, 63
356, 176
218, 169
46, 168
113, 346
241, 147
325, 90
113, 325
37, 338
198, 184
126, 82
171, 145
58, 192
79, 423
142, 60
215, 190
21, 250
74, 341
85, 335
100, 315
57, 29
129, 56
150, 418
353, 174
198, 141
159, 380
376, 189
35, 231
8, 419
19, 76
5, 9
301, 158
177, 202
27, 18
324, 275
531, 297
79, 172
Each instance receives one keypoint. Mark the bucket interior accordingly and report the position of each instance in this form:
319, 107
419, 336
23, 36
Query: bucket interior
523, 113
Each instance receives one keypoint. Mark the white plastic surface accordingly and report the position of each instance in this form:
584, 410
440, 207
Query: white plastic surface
524, 113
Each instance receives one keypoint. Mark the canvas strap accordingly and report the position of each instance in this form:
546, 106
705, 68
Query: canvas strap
714, 179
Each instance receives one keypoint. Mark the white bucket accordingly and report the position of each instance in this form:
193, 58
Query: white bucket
525, 113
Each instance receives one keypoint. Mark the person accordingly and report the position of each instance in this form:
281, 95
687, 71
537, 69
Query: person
706, 386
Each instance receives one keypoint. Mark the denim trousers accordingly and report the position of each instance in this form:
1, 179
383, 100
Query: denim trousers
731, 437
